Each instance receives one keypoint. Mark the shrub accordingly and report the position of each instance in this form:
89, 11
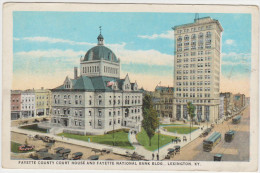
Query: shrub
118, 130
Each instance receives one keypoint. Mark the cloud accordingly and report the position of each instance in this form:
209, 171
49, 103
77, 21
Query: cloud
230, 42
55, 63
233, 58
150, 57
58, 40
53, 40
167, 35
52, 53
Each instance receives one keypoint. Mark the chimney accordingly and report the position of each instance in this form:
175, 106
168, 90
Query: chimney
75, 72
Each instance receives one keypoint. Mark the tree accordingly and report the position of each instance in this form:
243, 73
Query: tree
26, 142
150, 120
191, 112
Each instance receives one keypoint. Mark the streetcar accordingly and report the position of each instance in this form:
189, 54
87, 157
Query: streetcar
229, 135
236, 120
211, 142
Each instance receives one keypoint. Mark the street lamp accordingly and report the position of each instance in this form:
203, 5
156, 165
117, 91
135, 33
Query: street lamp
158, 137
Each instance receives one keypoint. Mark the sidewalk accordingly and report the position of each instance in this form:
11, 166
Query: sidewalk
163, 151
139, 149
115, 150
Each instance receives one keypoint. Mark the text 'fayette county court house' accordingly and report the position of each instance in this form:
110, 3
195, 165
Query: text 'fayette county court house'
197, 69
97, 101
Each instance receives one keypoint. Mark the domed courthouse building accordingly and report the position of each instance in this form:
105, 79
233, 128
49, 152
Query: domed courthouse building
97, 101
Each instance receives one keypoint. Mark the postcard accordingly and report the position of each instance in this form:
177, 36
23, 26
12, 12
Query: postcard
130, 87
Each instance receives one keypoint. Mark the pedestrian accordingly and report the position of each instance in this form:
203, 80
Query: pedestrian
62, 137
157, 156
152, 156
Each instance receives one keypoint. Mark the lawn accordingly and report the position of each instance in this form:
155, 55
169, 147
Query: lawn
34, 127
143, 139
15, 146
161, 124
121, 139
180, 129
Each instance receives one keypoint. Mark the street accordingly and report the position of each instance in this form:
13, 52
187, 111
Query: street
237, 150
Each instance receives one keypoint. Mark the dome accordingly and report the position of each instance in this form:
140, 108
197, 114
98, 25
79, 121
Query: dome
100, 52
100, 36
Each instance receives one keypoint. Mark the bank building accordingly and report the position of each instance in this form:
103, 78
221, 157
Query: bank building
197, 69
97, 101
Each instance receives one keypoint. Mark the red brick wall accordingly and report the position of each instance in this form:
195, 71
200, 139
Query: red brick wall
16, 102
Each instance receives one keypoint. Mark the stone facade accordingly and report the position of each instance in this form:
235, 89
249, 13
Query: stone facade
221, 107
97, 101
42, 102
228, 103
28, 104
239, 101
197, 69
163, 102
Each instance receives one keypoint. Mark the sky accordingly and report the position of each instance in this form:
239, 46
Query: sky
48, 45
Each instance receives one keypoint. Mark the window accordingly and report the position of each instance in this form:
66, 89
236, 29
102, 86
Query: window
99, 100
80, 113
100, 113
200, 52
207, 70
186, 43
207, 64
208, 34
193, 53
208, 52
186, 65
200, 65
186, 37
99, 123
179, 71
